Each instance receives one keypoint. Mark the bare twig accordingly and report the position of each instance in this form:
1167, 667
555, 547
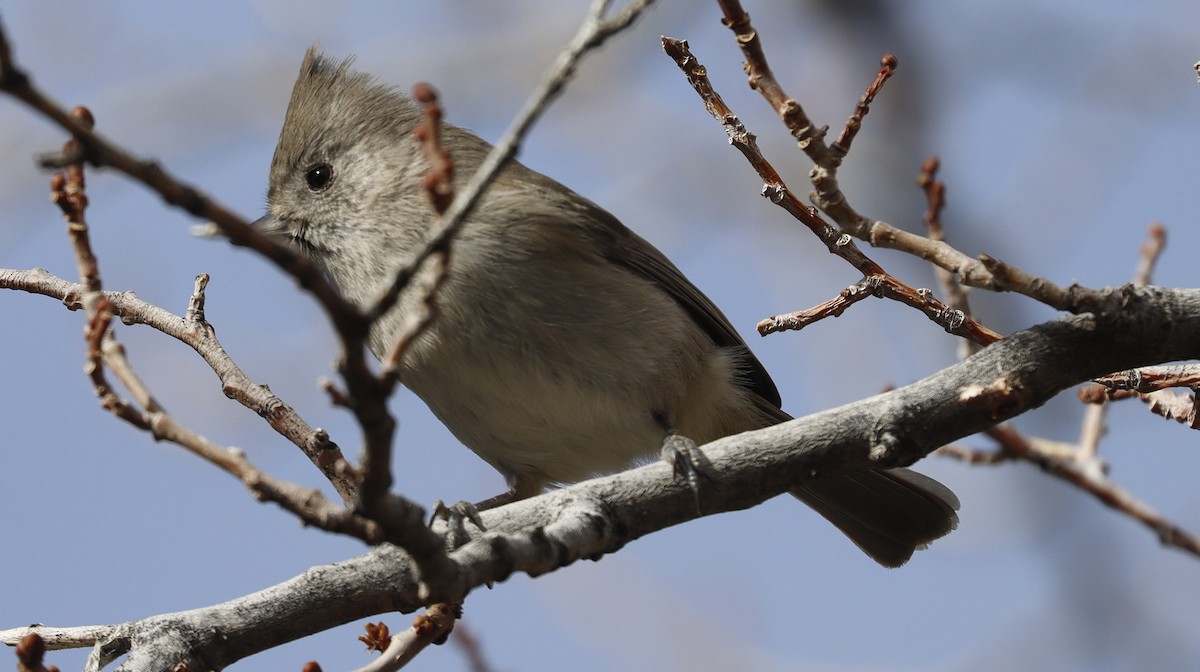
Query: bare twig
365, 394
876, 279
592, 33
600, 516
974, 456
1153, 378
887, 68
1095, 414
1084, 471
1151, 250
469, 644
1012, 279
91, 147
865, 288
191, 330
439, 185
809, 136
1096, 483
403, 520
954, 291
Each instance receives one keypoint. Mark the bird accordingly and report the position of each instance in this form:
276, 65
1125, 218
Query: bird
564, 345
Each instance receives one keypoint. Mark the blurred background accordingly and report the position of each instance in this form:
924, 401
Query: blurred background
1064, 130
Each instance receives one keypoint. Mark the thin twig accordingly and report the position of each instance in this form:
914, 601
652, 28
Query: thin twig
439, 186
808, 135
368, 397
93, 148
1080, 464
365, 394
887, 68
466, 640
1151, 250
1095, 483
877, 280
935, 200
197, 334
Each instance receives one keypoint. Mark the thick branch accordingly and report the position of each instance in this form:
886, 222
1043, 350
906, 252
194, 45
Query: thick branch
596, 517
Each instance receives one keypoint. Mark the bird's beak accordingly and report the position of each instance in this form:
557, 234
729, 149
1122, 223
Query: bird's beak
270, 225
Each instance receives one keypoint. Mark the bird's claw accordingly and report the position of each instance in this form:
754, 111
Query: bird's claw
686, 460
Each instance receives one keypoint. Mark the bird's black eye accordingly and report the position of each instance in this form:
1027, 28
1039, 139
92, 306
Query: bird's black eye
319, 177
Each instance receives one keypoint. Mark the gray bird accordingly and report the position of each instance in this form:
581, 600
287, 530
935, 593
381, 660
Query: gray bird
565, 345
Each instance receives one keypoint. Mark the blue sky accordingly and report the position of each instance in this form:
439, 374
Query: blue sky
1064, 130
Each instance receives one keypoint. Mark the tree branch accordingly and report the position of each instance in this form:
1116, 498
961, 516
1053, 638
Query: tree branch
596, 517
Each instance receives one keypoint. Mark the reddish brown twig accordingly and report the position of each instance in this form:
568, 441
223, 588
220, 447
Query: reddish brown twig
951, 288
30, 652
876, 279
439, 182
438, 620
1096, 483
887, 68
1151, 250
935, 202
1082, 470
865, 288
465, 638
886, 286
439, 186
810, 137
1154, 386
68, 191
191, 330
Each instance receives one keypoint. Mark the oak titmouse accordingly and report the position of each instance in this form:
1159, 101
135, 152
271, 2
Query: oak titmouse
565, 346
